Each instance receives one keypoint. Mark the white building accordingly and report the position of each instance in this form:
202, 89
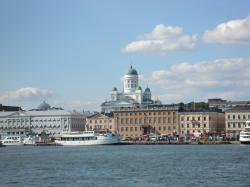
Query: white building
131, 95
52, 121
235, 119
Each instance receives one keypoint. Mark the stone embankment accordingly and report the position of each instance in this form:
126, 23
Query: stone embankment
178, 143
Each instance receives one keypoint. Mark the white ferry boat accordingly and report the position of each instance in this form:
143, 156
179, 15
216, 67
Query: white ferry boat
245, 135
12, 140
88, 138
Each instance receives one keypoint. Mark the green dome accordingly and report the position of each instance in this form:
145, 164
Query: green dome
139, 88
114, 89
132, 71
43, 106
147, 90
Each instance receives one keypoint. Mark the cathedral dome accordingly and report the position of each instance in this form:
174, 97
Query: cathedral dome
43, 106
132, 71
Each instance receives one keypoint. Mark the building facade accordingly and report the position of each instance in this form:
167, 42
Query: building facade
52, 121
235, 120
225, 105
200, 123
140, 121
101, 122
132, 94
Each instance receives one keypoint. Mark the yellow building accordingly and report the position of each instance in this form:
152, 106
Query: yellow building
136, 122
100, 121
197, 123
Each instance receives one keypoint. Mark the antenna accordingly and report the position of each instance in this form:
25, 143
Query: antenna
131, 62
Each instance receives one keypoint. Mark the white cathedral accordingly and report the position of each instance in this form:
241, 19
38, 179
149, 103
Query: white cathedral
131, 96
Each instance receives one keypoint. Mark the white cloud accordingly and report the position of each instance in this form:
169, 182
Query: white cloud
25, 94
87, 105
234, 31
162, 39
227, 78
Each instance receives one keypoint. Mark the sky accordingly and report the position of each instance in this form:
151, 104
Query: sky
72, 53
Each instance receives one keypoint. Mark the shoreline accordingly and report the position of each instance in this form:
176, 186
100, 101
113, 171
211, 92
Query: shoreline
177, 143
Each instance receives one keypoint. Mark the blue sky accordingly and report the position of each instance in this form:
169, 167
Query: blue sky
71, 53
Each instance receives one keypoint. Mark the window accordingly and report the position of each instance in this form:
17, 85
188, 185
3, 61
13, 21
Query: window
164, 120
205, 118
182, 118
159, 120
159, 128
135, 128
131, 128
238, 116
228, 116
233, 116
239, 126
126, 128
205, 125
233, 125
187, 118
122, 129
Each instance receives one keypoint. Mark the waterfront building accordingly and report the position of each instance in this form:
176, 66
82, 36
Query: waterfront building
100, 121
132, 94
235, 120
198, 123
53, 121
225, 105
139, 121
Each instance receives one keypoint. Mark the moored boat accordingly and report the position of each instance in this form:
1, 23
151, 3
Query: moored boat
245, 135
29, 140
12, 140
88, 138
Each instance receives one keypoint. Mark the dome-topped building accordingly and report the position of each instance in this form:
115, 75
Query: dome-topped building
132, 71
132, 94
43, 106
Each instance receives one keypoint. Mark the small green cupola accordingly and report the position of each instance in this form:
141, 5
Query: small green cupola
139, 88
114, 89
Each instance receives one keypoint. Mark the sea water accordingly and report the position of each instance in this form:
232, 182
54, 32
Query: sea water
126, 165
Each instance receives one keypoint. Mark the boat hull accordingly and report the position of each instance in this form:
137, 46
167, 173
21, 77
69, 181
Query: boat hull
99, 141
245, 137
